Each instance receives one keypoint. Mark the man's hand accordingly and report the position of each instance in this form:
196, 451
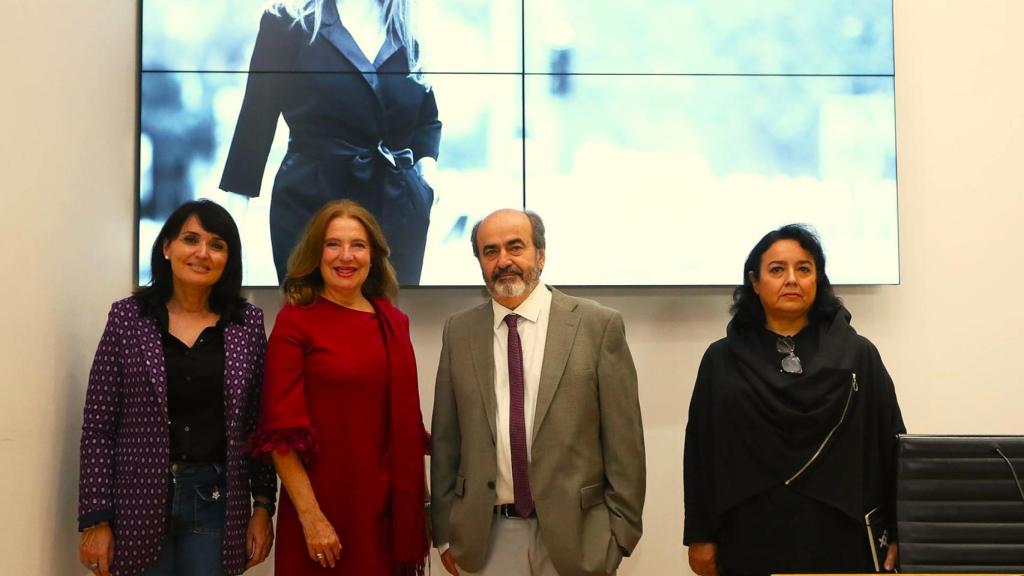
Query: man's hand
449, 562
703, 558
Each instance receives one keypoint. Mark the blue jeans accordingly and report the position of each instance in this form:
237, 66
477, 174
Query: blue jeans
193, 541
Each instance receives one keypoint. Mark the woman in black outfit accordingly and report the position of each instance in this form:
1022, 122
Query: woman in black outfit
360, 127
792, 429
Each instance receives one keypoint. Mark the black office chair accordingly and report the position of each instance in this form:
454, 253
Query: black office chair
960, 504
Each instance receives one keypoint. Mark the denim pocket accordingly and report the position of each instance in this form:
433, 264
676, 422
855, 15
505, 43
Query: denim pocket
210, 509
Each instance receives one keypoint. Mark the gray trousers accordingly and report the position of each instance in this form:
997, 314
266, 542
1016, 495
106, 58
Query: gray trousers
515, 549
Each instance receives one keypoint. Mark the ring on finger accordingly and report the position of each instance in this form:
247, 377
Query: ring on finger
319, 555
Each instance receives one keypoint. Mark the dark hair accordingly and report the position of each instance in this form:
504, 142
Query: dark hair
536, 234
225, 296
746, 306
303, 283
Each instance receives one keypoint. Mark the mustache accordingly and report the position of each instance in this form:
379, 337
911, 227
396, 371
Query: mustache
510, 269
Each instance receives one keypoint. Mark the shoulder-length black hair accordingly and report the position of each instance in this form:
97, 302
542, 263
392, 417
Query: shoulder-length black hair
746, 306
226, 295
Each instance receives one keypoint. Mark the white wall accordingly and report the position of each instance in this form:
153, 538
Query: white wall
949, 333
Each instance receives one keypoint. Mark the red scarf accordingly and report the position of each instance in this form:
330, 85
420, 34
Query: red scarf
407, 442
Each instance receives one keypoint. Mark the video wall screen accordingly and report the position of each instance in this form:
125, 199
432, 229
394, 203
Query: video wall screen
658, 139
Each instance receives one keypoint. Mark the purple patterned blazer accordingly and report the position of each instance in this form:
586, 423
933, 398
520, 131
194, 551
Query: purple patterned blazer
126, 441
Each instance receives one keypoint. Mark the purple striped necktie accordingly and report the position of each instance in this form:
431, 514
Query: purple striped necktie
517, 421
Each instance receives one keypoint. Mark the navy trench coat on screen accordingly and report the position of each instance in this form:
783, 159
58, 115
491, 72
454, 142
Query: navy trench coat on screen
356, 128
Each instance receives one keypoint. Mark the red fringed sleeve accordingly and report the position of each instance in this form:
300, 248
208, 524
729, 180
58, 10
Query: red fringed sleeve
285, 422
304, 441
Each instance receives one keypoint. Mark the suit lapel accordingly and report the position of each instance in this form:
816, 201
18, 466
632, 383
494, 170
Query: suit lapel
563, 322
335, 32
481, 344
387, 50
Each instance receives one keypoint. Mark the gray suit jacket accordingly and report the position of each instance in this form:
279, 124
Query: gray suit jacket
587, 469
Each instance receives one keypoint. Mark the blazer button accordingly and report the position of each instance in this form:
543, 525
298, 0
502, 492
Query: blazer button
490, 484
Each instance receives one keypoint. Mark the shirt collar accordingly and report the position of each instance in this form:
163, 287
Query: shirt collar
530, 309
163, 319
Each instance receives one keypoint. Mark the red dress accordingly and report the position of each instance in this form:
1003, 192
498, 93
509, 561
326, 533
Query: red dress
327, 370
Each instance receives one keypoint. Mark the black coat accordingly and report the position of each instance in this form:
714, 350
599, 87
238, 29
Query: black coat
356, 128
752, 428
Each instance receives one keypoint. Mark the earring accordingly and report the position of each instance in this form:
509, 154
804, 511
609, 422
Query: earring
166, 257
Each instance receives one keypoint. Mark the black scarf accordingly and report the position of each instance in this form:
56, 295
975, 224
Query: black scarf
766, 425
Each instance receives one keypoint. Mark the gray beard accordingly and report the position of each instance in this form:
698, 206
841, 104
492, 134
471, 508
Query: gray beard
512, 289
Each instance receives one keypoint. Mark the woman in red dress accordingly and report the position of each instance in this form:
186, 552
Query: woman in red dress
340, 411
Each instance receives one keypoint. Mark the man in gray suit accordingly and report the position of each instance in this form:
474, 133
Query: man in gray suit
538, 451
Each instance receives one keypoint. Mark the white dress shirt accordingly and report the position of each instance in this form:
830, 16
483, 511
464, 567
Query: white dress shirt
533, 332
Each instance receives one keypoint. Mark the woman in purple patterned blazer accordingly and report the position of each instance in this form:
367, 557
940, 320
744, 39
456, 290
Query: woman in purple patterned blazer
166, 486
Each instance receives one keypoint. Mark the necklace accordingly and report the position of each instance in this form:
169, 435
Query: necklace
790, 362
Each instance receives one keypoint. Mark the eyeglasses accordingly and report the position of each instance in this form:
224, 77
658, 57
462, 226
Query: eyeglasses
791, 362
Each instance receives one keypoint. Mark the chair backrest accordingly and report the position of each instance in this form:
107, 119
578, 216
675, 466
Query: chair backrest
960, 504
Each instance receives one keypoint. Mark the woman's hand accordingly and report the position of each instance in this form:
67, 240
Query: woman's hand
97, 549
259, 538
891, 557
427, 167
321, 540
703, 558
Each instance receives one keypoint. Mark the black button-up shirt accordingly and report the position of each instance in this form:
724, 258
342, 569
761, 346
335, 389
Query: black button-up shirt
195, 393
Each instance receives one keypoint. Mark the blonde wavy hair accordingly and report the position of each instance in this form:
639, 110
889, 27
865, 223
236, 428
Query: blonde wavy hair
303, 282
